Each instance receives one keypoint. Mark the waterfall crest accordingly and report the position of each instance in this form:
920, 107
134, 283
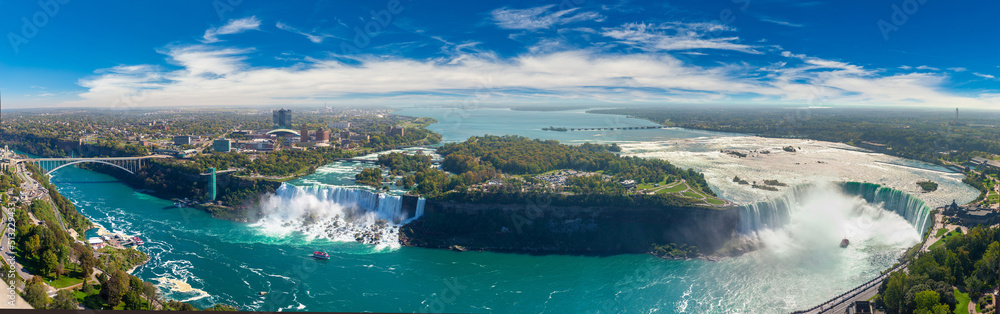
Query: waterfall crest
776, 213
338, 214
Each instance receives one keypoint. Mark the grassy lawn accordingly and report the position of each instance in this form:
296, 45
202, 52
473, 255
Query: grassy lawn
64, 281
962, 306
941, 232
675, 189
944, 240
692, 194
650, 185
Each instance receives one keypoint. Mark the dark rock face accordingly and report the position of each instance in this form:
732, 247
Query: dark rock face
599, 230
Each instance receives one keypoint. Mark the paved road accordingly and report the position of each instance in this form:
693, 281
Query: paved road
18, 302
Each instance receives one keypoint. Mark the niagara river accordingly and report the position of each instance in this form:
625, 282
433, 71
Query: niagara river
203, 260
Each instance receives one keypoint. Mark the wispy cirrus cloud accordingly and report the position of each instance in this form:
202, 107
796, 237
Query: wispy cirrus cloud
540, 17
677, 36
779, 22
314, 36
232, 27
985, 76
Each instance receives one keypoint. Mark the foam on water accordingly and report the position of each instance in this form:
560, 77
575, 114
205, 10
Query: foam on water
803, 249
335, 213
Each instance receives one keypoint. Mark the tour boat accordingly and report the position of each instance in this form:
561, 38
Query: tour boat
844, 242
321, 255
137, 241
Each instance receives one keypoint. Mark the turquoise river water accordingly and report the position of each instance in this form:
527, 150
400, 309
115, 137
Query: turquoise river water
205, 261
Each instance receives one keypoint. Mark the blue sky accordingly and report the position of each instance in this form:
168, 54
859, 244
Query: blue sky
116, 54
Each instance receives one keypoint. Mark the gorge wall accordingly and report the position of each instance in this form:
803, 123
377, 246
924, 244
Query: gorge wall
597, 230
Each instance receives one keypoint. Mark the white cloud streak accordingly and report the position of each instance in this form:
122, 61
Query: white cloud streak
676, 36
207, 75
313, 37
232, 27
540, 17
220, 77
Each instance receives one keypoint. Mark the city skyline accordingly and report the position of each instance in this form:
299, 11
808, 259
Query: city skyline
890, 53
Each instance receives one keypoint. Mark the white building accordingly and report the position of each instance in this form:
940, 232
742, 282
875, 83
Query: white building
340, 125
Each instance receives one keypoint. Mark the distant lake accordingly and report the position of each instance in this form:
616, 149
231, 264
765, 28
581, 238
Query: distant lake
458, 124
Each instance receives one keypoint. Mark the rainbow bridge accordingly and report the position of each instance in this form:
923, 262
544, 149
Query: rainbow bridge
50, 165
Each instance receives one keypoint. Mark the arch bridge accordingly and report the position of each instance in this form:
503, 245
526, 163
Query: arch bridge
127, 164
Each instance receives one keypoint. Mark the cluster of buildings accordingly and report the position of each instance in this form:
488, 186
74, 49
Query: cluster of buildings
559, 177
282, 133
971, 215
117, 241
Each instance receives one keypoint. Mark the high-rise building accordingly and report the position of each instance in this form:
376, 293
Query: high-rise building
395, 130
322, 135
304, 133
282, 118
182, 140
222, 145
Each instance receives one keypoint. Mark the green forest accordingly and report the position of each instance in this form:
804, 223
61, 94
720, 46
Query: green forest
512, 161
966, 261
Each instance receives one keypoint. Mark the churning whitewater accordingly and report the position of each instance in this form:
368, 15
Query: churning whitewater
336, 213
798, 236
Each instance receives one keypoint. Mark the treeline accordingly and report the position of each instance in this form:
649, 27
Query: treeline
31, 143
46, 249
920, 135
967, 261
288, 162
9, 181
487, 155
369, 176
379, 141
50, 146
400, 162
508, 195
71, 217
52, 255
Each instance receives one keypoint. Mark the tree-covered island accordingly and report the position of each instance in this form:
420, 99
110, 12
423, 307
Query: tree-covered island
511, 193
